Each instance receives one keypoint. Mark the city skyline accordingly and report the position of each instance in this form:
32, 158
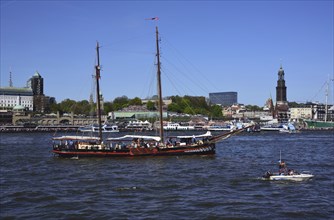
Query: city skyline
207, 47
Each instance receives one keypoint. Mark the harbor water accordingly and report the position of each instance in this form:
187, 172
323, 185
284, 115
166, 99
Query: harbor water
36, 185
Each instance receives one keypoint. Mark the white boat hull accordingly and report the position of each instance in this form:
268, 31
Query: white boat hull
294, 177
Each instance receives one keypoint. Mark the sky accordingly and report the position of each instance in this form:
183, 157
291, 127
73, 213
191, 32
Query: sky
206, 46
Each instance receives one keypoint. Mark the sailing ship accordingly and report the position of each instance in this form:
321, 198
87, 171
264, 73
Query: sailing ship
319, 124
137, 145
325, 123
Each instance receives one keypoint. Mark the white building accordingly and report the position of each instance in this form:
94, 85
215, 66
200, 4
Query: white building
165, 101
301, 113
12, 96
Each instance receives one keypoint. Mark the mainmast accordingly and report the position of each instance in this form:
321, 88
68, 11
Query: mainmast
97, 75
159, 87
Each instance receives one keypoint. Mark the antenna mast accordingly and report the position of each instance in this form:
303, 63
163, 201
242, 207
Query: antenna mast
10, 78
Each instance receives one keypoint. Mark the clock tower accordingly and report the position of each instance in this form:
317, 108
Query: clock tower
282, 107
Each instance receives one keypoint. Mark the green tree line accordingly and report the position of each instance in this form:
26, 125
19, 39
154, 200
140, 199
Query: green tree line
191, 105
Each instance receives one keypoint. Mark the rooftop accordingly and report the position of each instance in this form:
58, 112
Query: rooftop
25, 91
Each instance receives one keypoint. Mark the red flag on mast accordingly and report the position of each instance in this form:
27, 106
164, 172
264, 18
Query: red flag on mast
153, 19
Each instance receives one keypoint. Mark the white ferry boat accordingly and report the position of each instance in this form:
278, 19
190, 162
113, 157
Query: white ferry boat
178, 127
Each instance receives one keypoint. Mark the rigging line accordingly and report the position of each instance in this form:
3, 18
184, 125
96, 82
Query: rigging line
319, 91
182, 86
180, 61
187, 104
172, 82
183, 74
190, 75
177, 82
204, 75
92, 95
150, 79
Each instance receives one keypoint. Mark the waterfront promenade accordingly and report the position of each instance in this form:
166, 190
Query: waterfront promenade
13, 129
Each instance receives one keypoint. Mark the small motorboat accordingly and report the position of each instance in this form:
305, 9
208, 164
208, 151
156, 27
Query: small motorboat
287, 174
292, 175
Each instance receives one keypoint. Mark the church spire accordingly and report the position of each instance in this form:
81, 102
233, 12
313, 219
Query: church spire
281, 73
281, 88
281, 98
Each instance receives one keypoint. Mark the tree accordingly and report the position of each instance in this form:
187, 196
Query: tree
174, 107
120, 102
188, 110
83, 107
216, 111
150, 106
108, 107
135, 101
54, 107
253, 108
67, 105
295, 104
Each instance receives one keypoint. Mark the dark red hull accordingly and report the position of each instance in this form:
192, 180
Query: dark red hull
205, 149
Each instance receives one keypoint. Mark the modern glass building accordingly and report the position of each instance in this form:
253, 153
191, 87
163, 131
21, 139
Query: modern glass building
224, 98
36, 84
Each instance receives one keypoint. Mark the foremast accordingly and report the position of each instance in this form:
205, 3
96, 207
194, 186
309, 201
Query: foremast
97, 76
160, 103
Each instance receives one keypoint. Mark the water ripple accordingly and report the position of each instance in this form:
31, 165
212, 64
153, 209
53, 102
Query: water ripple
225, 186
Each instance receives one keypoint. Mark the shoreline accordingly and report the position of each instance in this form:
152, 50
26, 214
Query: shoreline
18, 129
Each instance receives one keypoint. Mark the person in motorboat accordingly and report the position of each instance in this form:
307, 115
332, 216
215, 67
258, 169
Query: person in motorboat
267, 175
292, 172
281, 164
282, 168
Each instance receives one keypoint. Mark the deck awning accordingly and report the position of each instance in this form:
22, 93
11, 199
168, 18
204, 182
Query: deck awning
131, 137
207, 134
80, 138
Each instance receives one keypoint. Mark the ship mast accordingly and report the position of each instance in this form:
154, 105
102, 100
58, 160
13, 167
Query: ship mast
97, 75
326, 101
159, 87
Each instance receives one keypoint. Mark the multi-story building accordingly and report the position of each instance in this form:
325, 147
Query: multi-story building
31, 97
36, 84
223, 98
41, 102
13, 96
301, 113
319, 112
